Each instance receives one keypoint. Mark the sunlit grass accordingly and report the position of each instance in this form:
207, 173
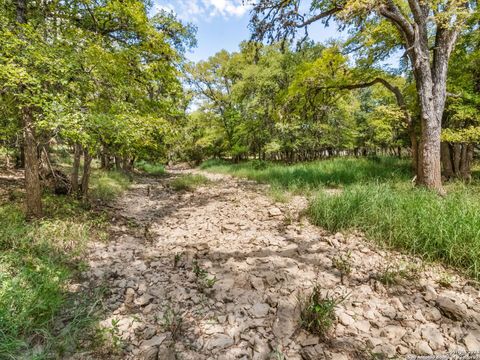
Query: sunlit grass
188, 182
416, 220
37, 260
377, 197
339, 172
150, 169
106, 185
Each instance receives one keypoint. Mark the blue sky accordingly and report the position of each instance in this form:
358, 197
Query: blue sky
222, 24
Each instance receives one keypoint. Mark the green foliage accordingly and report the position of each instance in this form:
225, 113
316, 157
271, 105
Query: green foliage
150, 169
188, 182
415, 220
36, 262
288, 105
106, 185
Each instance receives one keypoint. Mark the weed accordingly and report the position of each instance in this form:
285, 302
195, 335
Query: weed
203, 279
446, 280
278, 195
209, 282
198, 270
394, 273
188, 182
176, 259
343, 263
106, 185
173, 322
318, 312
277, 354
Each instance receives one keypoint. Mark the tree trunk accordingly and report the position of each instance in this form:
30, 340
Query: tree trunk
32, 178
87, 162
126, 164
118, 164
76, 168
466, 162
447, 164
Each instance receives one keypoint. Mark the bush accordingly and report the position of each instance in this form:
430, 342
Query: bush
416, 220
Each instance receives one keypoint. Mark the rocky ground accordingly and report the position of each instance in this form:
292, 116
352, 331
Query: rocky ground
218, 273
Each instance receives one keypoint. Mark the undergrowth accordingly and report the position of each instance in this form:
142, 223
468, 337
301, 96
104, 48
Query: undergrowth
107, 185
416, 220
317, 312
150, 169
339, 172
37, 262
188, 182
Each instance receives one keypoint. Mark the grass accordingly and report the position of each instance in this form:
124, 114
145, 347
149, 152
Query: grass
41, 316
150, 169
416, 220
317, 312
188, 182
377, 198
37, 261
107, 185
339, 172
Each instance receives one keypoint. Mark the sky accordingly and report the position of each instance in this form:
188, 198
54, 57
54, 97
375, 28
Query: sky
222, 24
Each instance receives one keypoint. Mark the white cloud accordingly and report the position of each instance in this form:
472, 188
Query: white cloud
195, 10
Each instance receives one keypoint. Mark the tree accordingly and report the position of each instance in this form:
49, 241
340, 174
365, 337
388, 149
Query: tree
99, 76
428, 34
461, 121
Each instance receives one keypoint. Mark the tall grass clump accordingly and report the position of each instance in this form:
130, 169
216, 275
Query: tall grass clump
106, 185
37, 260
188, 182
150, 169
446, 229
337, 172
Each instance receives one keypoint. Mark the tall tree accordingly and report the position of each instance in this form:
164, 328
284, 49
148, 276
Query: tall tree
428, 34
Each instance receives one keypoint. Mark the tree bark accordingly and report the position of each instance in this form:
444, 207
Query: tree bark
32, 177
76, 168
447, 163
466, 162
87, 162
118, 163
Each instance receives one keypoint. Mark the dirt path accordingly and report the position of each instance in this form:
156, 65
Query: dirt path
263, 256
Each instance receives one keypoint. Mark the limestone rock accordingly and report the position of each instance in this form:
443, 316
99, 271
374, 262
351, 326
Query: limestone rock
472, 342
423, 348
452, 308
274, 211
220, 341
260, 310
149, 353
